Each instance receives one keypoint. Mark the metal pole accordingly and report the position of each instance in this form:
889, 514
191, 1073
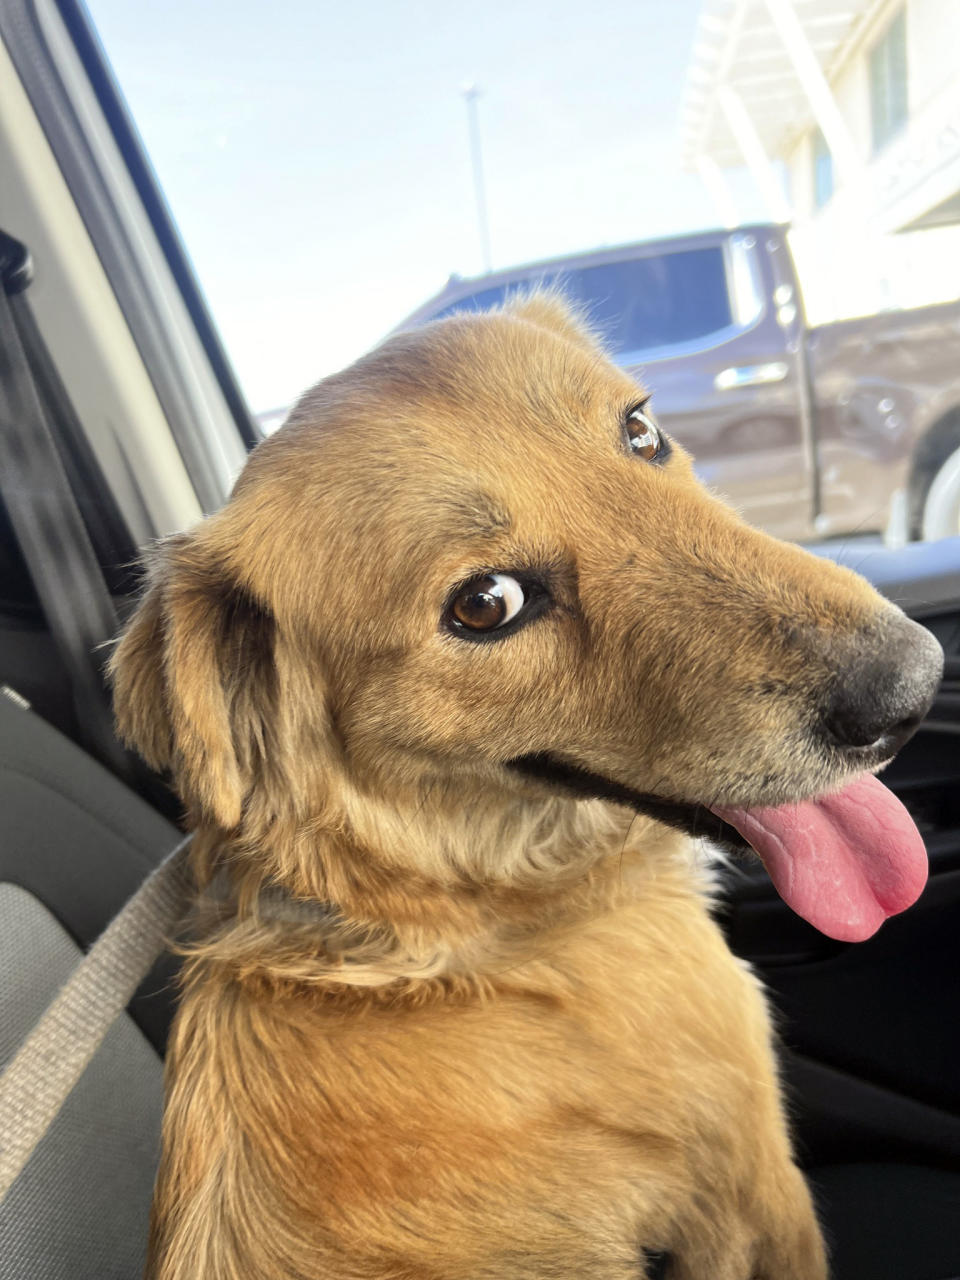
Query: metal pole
471, 93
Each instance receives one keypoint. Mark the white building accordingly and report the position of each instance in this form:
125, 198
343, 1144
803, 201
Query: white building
847, 113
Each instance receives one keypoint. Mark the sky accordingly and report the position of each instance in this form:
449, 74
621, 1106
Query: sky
316, 155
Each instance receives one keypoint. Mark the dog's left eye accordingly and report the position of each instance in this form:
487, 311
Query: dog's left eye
643, 435
487, 603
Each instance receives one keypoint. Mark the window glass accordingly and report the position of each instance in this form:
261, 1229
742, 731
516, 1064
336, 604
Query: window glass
483, 299
822, 170
641, 304
888, 82
339, 172
660, 301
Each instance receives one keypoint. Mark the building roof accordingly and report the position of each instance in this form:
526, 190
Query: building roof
737, 45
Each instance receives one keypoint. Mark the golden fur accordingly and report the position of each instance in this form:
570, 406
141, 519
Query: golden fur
440, 1022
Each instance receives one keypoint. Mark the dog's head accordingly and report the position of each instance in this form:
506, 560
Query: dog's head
473, 562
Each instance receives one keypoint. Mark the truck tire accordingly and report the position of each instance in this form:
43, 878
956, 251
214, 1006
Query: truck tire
934, 494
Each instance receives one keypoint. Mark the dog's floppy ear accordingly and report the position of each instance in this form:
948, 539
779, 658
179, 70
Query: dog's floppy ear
549, 309
193, 679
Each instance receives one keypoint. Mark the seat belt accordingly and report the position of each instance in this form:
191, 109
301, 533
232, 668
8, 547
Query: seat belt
47, 522
37, 1081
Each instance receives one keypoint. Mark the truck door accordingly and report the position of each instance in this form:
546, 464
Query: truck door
725, 373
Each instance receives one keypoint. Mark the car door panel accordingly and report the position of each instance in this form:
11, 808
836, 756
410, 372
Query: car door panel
738, 405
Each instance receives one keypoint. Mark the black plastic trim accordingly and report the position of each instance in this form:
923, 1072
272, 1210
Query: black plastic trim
923, 578
843, 1117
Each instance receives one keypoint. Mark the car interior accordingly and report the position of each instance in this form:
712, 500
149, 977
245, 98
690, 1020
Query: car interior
121, 422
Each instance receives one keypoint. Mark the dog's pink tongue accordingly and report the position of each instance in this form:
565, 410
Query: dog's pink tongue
844, 862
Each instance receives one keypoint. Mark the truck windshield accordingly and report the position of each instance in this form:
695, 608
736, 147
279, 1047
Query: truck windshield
640, 304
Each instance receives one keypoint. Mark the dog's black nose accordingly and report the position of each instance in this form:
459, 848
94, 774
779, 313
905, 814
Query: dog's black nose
882, 694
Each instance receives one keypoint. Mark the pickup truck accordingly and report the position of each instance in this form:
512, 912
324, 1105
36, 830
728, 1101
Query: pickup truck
812, 432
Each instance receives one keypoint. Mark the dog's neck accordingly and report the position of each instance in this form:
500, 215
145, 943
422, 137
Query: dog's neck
392, 896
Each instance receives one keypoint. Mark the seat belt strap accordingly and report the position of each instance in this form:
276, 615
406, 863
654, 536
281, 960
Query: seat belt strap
46, 519
37, 1081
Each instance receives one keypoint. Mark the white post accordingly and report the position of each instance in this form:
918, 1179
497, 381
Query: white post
711, 175
814, 84
751, 148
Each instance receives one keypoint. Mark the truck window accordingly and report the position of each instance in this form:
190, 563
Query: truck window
642, 304
661, 301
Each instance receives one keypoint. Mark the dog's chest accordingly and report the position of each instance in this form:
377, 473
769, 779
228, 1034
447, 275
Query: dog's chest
594, 1091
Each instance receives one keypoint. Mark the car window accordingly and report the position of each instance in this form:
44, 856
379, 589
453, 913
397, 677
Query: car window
638, 305
776, 253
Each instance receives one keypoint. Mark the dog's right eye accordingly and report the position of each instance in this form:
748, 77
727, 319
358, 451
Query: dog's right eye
487, 603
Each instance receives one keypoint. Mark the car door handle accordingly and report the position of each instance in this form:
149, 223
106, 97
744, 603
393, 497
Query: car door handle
751, 375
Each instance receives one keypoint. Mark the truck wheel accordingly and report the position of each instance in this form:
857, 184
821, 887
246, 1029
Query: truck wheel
941, 506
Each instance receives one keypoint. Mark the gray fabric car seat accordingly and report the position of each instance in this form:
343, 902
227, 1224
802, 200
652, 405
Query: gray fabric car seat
75, 844
80, 1208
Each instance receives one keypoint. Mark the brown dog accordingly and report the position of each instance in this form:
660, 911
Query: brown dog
452, 1011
